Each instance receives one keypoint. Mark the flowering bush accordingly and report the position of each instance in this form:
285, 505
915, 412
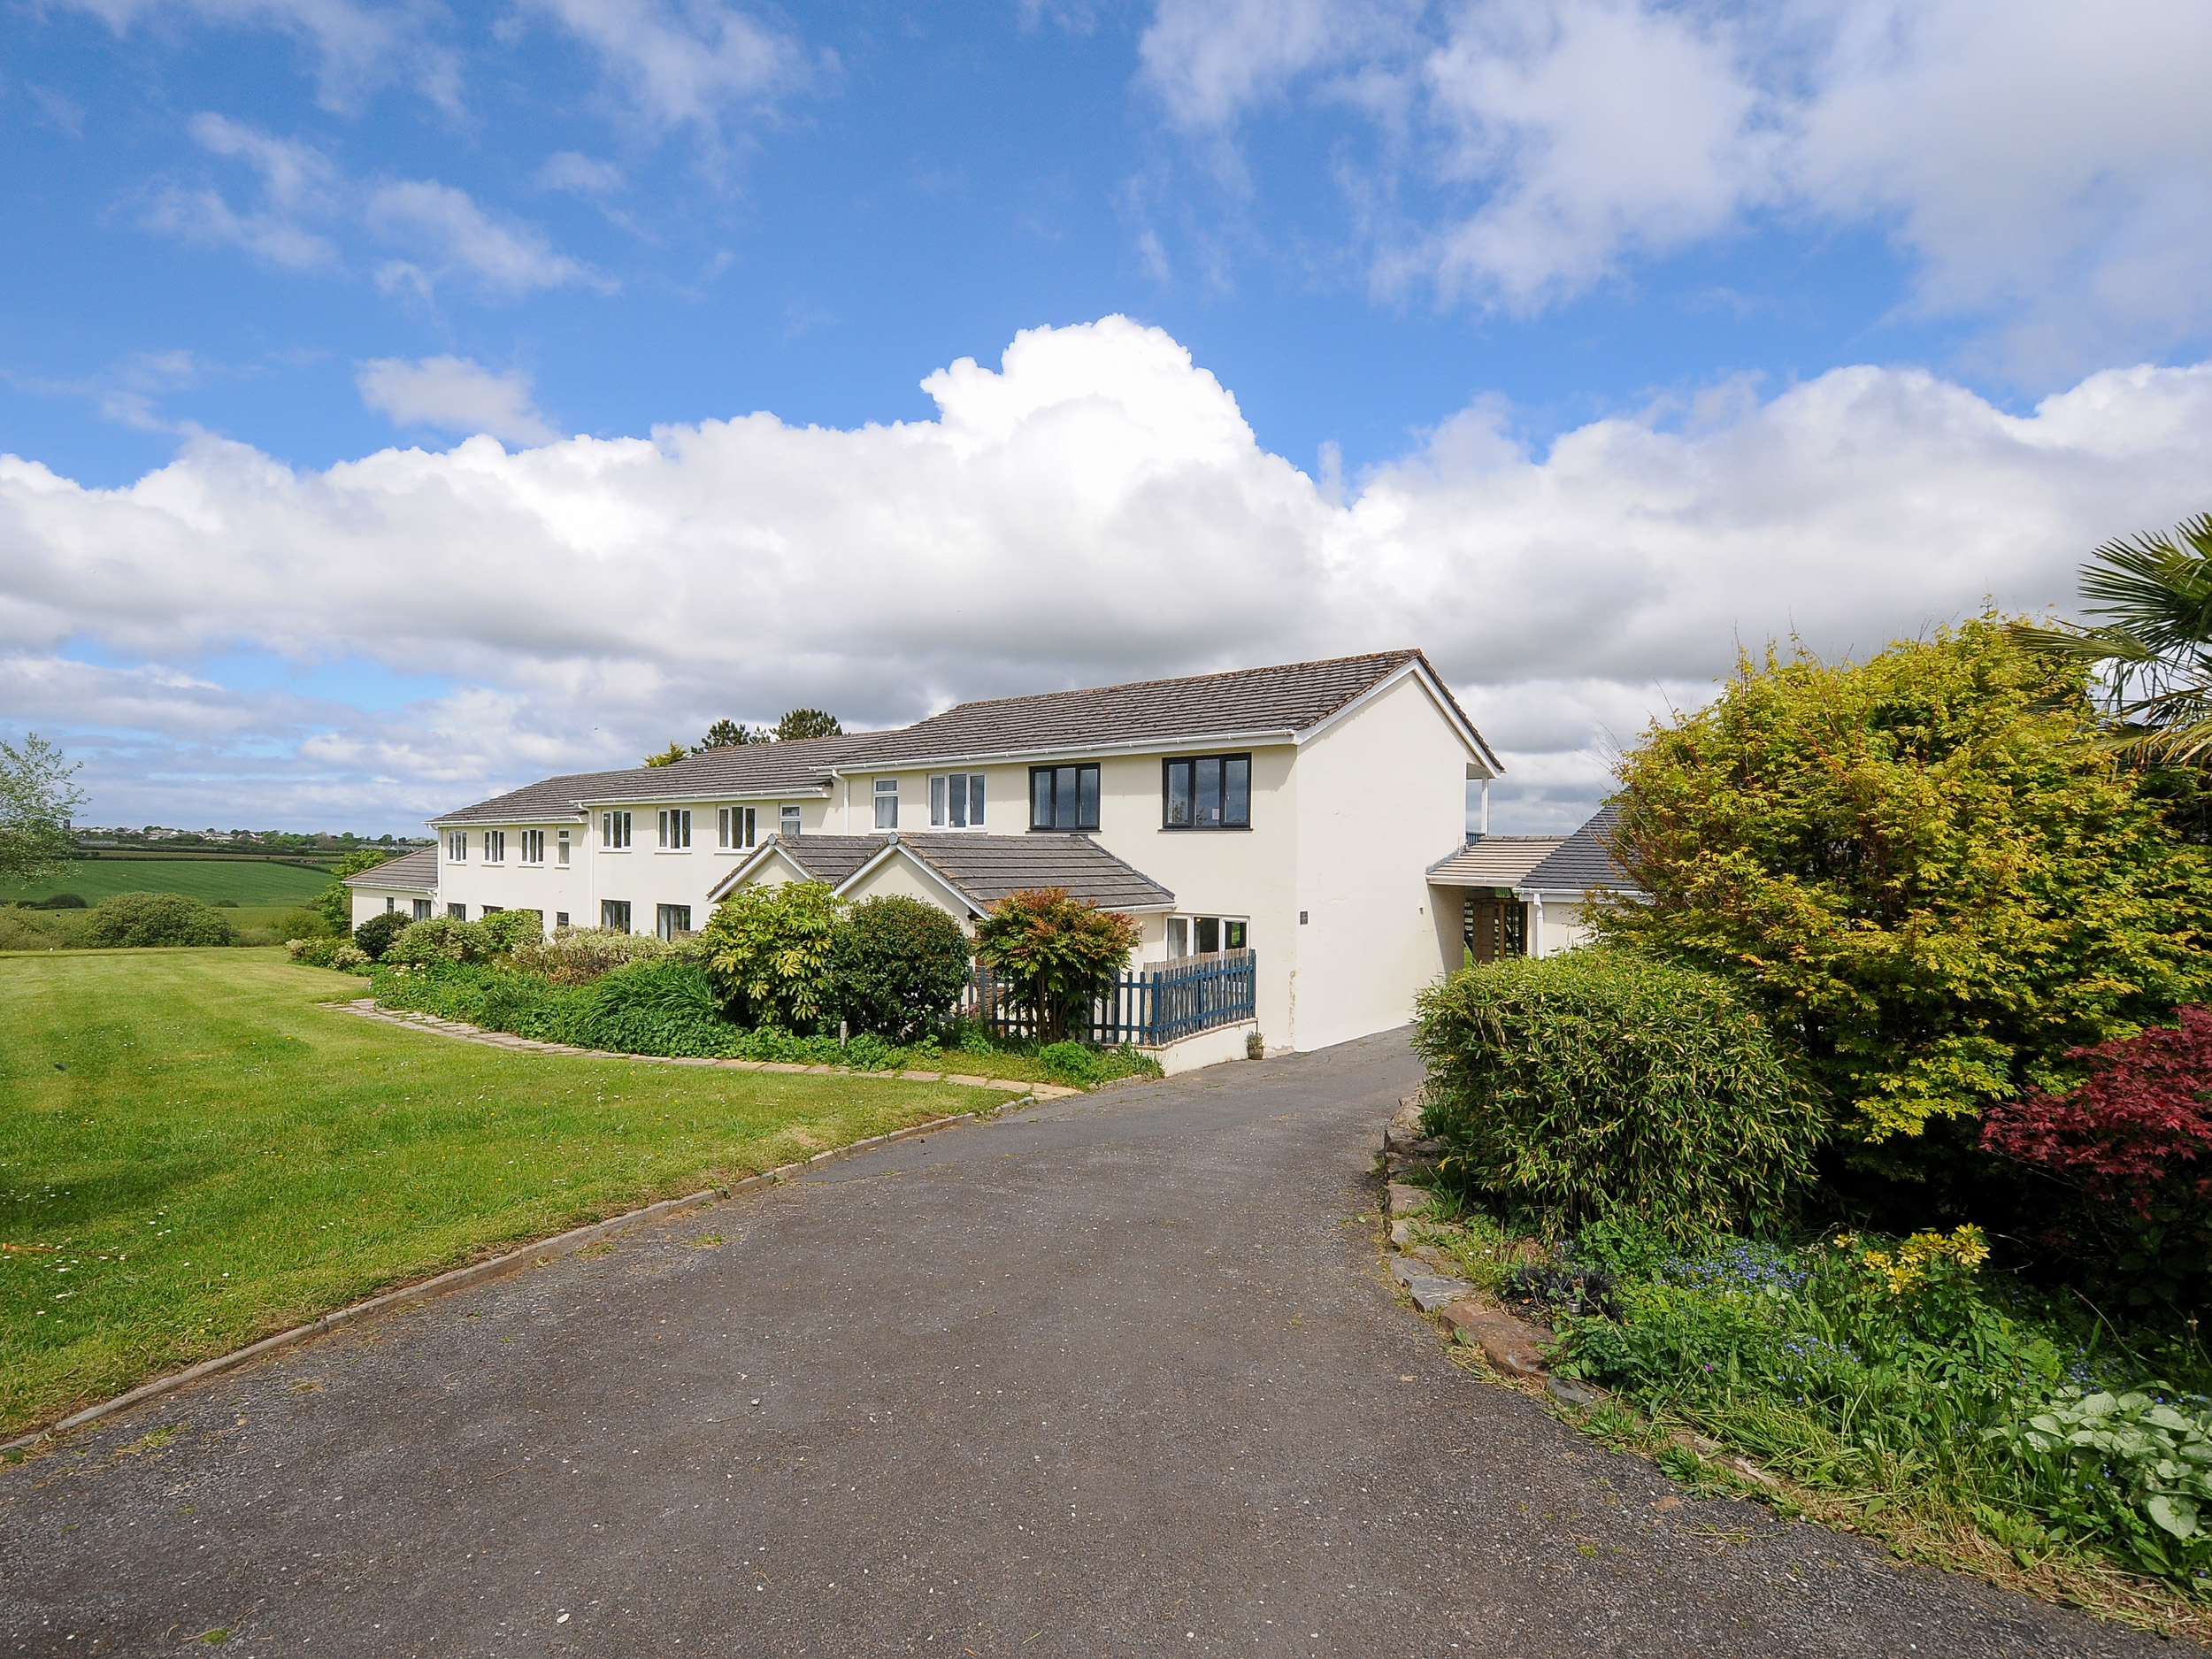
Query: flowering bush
577, 955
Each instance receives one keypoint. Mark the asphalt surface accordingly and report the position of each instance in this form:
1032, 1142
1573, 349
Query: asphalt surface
1118, 1375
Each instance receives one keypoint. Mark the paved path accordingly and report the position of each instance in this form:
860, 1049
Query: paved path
1120, 1375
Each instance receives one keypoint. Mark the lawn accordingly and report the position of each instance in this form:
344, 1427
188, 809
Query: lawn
244, 881
212, 1156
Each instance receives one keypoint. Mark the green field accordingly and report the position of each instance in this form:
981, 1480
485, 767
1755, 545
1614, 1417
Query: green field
212, 1156
246, 882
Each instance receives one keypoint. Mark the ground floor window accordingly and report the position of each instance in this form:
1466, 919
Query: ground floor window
422, 910
671, 919
1205, 935
614, 914
1494, 927
560, 919
458, 912
391, 904
491, 910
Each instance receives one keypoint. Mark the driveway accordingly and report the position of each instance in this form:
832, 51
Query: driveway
1120, 1375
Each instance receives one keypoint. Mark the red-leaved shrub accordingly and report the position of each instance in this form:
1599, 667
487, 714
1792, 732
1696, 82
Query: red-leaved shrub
2138, 1131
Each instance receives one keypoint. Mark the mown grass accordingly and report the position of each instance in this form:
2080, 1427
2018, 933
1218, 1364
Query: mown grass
200, 1154
243, 881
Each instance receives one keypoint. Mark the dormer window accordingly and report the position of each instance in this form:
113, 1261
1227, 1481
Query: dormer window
1064, 797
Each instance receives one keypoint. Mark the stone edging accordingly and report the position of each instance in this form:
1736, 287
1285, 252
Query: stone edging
1512, 1345
477, 1272
461, 1030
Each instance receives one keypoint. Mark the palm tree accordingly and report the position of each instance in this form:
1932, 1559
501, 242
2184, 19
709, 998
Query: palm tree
2152, 596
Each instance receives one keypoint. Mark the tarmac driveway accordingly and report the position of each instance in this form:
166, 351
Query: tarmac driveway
1120, 1375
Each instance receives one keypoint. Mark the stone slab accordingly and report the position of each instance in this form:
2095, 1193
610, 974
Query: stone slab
1405, 1201
1430, 1290
1514, 1346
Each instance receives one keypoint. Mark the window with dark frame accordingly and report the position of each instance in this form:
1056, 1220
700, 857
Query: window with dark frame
614, 915
1064, 797
1206, 792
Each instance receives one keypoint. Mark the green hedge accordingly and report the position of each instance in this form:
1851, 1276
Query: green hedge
1600, 1082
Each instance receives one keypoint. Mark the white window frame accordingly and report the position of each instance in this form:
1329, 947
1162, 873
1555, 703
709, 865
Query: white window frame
1181, 936
956, 801
495, 847
533, 847
736, 828
887, 803
614, 830
564, 849
789, 822
675, 829
457, 846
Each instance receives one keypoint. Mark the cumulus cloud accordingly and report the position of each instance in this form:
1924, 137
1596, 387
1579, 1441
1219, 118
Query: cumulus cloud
2043, 164
1094, 508
453, 394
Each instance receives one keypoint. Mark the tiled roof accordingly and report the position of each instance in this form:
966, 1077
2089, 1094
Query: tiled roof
1288, 698
740, 769
1582, 862
410, 872
984, 869
1495, 860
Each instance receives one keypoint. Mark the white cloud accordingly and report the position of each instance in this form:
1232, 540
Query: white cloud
566, 170
453, 394
1093, 508
358, 47
2044, 165
690, 63
503, 255
296, 181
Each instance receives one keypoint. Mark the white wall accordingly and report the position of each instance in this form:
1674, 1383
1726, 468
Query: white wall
369, 902
1564, 926
1382, 795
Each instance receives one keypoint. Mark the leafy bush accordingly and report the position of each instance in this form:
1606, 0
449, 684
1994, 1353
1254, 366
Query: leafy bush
768, 951
2129, 1468
349, 958
577, 955
1928, 877
75, 901
314, 953
664, 1006
2133, 1145
1059, 951
868, 1052
1601, 1082
507, 930
1069, 1062
374, 936
441, 939
153, 919
899, 966
304, 921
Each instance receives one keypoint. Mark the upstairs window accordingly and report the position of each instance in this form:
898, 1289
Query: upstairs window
457, 846
1064, 797
564, 852
533, 847
614, 830
737, 827
495, 847
788, 824
956, 801
1207, 791
887, 803
675, 830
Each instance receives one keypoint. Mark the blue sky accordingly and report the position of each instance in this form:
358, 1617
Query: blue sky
1573, 340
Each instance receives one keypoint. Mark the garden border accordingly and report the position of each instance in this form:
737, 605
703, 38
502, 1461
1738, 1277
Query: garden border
367, 1008
493, 1267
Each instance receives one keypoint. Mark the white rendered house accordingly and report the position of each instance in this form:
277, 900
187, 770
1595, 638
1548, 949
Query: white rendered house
1309, 813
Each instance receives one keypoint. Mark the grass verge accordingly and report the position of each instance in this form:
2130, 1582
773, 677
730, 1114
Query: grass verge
193, 1155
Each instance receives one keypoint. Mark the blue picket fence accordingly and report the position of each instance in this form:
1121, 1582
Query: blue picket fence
1160, 1003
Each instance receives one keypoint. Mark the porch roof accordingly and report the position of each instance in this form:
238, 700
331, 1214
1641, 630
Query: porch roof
1495, 860
981, 870
410, 872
